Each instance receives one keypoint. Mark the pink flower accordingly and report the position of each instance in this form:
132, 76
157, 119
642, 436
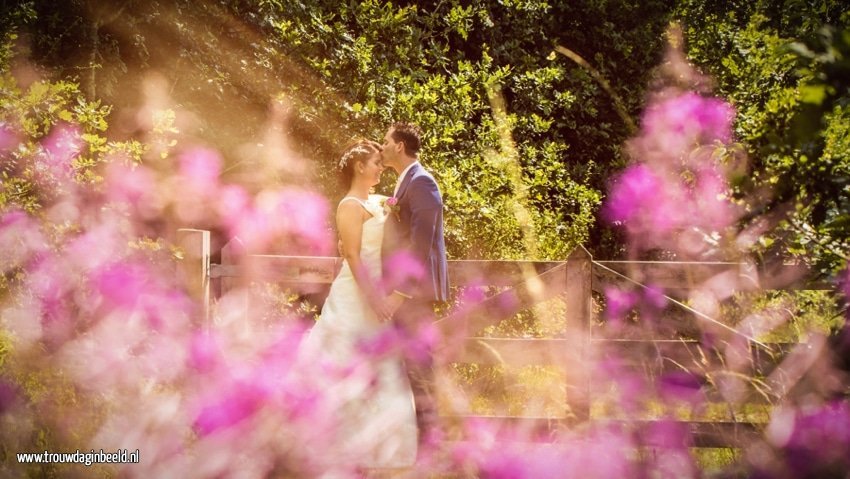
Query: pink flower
61, 146
204, 352
20, 238
401, 267
122, 283
673, 127
632, 190
307, 214
390, 205
134, 186
292, 220
233, 203
618, 303
238, 403
201, 167
386, 341
8, 137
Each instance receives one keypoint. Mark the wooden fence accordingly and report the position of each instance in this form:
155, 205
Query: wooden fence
582, 341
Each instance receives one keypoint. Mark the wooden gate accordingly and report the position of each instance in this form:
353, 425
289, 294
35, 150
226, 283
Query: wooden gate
522, 284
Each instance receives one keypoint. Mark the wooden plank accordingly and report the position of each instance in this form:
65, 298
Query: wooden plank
229, 271
306, 269
518, 428
461, 272
649, 433
578, 323
720, 375
697, 433
655, 357
653, 361
195, 266
231, 256
690, 354
677, 276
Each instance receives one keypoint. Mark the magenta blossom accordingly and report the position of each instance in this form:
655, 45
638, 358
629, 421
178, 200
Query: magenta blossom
632, 190
62, 146
134, 186
8, 138
814, 441
673, 127
122, 284
20, 238
233, 204
401, 267
305, 216
289, 221
200, 168
204, 352
618, 302
239, 402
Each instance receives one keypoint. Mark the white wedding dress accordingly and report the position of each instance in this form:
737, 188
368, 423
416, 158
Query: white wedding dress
376, 410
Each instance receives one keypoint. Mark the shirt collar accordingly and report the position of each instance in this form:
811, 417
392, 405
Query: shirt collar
402, 175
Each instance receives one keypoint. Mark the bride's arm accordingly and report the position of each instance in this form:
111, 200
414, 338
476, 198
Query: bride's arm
349, 221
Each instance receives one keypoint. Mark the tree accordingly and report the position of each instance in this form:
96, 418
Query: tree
786, 72
347, 70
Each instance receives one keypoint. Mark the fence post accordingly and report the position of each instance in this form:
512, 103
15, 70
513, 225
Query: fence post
195, 267
232, 255
579, 302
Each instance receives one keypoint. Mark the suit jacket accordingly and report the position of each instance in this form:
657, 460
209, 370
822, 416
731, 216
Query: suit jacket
414, 250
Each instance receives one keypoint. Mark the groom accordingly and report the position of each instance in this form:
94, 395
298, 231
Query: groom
414, 259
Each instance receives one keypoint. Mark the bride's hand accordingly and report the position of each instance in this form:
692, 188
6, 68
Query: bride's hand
381, 308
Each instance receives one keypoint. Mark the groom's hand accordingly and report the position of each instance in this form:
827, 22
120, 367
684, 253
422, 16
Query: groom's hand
394, 302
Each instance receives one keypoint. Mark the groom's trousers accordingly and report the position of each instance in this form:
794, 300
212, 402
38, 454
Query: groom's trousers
415, 320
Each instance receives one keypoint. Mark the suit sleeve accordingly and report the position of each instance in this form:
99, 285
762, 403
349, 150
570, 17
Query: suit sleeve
426, 209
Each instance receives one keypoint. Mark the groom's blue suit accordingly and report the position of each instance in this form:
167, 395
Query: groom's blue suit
416, 232
417, 229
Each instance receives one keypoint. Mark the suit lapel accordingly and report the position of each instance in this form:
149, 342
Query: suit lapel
403, 188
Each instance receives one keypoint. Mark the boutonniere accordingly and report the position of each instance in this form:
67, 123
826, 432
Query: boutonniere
391, 205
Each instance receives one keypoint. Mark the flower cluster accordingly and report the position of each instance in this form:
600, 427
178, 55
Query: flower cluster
676, 196
103, 345
390, 205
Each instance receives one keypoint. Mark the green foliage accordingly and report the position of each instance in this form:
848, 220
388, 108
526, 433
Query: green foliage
522, 140
530, 391
786, 72
33, 113
785, 316
347, 70
5, 346
276, 303
471, 53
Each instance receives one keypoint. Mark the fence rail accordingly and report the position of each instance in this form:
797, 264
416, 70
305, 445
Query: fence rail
519, 285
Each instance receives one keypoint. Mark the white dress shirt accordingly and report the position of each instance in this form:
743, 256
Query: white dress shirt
401, 178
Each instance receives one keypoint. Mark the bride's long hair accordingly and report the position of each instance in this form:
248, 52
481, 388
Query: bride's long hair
357, 152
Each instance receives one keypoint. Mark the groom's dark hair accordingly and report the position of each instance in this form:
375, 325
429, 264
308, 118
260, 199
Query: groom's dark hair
409, 134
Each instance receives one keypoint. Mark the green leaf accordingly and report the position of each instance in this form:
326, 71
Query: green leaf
814, 94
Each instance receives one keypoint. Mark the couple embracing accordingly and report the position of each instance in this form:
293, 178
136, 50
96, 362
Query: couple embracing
393, 274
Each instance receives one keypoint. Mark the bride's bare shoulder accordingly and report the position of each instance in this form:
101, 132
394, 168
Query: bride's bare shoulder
351, 208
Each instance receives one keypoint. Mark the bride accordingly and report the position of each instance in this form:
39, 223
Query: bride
376, 411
